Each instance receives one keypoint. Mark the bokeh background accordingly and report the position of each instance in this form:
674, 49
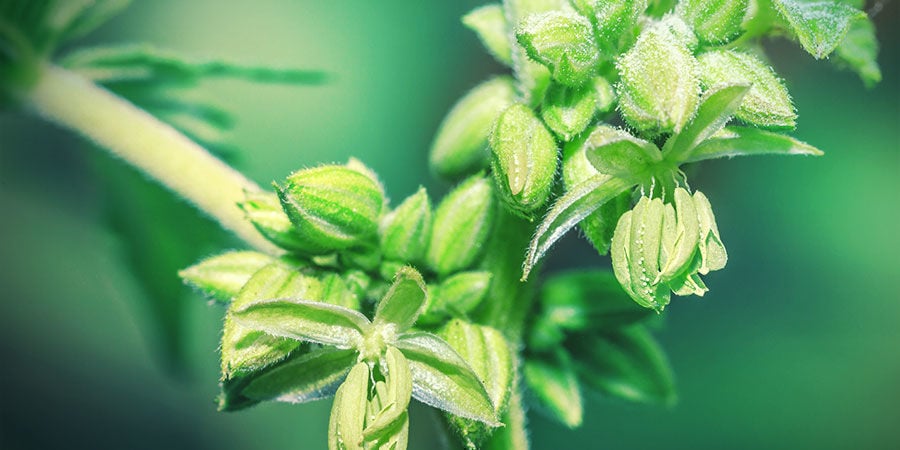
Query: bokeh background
796, 346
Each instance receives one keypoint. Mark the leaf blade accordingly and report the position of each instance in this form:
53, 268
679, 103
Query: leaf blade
746, 141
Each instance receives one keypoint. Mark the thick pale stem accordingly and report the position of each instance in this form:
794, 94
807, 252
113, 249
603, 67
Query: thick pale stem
148, 144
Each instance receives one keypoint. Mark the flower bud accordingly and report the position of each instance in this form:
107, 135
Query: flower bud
613, 21
605, 95
489, 23
564, 42
457, 296
265, 212
459, 147
462, 222
767, 103
332, 207
567, 110
524, 158
405, 231
714, 21
659, 90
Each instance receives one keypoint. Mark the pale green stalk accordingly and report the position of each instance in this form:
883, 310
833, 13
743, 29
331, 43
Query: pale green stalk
148, 144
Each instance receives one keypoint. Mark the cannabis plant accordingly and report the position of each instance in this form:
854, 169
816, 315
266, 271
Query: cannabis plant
342, 294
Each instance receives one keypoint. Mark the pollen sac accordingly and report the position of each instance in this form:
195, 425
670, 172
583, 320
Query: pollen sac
714, 21
613, 21
598, 227
405, 231
332, 207
659, 89
462, 222
564, 42
712, 251
767, 103
567, 110
460, 147
681, 233
523, 158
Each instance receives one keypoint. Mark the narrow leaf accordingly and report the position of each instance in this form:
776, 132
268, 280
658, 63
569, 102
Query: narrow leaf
305, 321
442, 379
746, 141
859, 51
715, 109
820, 26
628, 364
348, 412
404, 301
312, 376
222, 276
571, 208
588, 300
555, 384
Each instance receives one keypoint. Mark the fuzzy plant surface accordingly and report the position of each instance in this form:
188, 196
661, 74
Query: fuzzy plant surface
342, 294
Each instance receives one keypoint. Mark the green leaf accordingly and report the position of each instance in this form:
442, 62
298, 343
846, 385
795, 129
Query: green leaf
489, 23
265, 212
571, 208
245, 349
524, 157
564, 42
442, 379
394, 397
618, 154
586, 300
304, 320
628, 364
404, 301
94, 14
462, 223
820, 26
568, 111
221, 277
715, 110
405, 231
307, 377
767, 104
142, 62
555, 383
460, 144
859, 51
746, 141
348, 412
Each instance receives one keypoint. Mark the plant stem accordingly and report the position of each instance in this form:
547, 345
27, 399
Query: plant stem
148, 144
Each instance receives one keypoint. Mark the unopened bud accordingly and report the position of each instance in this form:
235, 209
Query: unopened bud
564, 42
714, 21
405, 231
462, 223
567, 110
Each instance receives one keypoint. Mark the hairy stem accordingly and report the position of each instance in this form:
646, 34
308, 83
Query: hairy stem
148, 144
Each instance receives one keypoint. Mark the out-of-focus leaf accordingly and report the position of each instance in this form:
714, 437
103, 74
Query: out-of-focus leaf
859, 51
555, 383
588, 300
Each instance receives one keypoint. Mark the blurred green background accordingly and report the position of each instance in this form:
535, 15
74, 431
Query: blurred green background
796, 346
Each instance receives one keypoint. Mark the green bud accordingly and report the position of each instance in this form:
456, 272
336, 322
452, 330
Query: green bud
613, 21
405, 231
524, 158
767, 103
489, 23
265, 212
363, 258
682, 32
564, 42
462, 222
659, 90
598, 227
336, 291
457, 296
332, 207
714, 21
222, 276
712, 251
567, 110
490, 356
604, 94
459, 147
